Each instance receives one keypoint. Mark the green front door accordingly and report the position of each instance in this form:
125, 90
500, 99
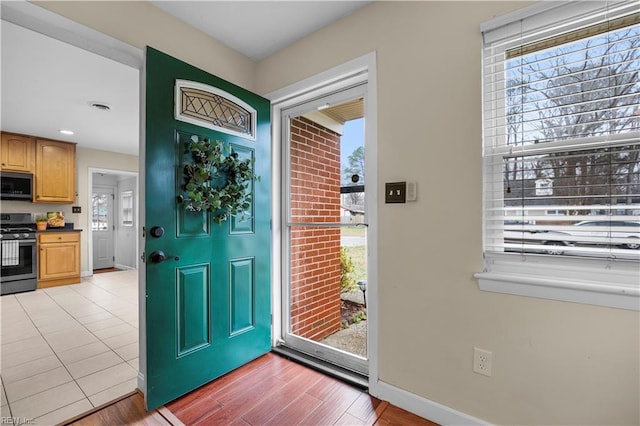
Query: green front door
208, 301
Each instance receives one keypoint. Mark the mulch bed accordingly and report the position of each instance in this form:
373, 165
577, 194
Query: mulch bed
349, 310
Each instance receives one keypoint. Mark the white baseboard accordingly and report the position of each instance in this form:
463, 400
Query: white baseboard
141, 384
423, 407
86, 274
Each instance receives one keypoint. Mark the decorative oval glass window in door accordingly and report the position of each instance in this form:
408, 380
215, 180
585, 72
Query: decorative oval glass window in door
210, 107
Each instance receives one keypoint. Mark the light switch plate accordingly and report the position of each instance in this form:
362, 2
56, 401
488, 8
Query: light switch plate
395, 192
76, 209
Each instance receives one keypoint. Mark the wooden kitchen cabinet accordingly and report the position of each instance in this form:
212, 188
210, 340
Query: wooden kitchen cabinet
55, 172
17, 153
58, 258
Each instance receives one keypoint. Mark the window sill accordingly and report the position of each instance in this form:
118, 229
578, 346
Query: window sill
569, 290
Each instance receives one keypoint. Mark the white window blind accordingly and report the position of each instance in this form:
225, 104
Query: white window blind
561, 144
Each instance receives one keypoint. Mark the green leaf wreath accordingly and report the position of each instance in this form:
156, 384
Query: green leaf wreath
217, 180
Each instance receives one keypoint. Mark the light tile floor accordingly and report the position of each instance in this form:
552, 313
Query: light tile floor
68, 349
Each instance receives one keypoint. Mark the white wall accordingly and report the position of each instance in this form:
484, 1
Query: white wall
105, 180
553, 362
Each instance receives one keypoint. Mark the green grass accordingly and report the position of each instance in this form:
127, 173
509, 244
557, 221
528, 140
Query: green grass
358, 256
353, 231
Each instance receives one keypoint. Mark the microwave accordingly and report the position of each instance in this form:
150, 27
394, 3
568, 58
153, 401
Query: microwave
16, 186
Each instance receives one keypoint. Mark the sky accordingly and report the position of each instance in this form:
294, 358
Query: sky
352, 138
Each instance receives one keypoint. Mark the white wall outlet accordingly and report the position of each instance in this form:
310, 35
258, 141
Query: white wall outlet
482, 361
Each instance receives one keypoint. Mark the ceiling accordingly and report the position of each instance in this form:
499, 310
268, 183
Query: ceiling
258, 28
49, 85
347, 111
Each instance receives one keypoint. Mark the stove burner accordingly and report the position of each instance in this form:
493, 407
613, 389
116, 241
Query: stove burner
11, 223
10, 230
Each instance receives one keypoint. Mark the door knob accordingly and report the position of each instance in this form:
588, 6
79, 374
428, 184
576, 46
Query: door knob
159, 256
156, 231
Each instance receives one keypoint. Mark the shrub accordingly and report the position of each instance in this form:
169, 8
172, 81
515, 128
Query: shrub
347, 282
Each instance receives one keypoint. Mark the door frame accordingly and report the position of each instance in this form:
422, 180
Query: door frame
90, 172
358, 70
353, 91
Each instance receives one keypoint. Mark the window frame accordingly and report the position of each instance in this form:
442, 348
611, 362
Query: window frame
596, 281
127, 209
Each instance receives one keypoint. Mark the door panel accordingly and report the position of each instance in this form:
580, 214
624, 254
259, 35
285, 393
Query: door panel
242, 295
239, 224
208, 305
194, 303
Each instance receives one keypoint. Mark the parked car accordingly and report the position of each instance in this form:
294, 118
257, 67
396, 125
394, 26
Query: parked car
592, 230
518, 237
526, 240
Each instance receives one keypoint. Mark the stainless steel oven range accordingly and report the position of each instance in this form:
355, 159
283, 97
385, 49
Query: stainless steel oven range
18, 251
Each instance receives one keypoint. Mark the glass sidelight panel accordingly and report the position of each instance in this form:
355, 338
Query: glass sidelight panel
99, 210
326, 269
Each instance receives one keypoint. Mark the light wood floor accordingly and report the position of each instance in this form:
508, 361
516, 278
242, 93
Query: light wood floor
68, 349
268, 391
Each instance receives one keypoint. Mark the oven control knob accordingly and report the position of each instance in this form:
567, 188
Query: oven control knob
25, 235
16, 235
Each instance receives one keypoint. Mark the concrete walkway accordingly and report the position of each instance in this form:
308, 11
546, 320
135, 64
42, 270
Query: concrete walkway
354, 338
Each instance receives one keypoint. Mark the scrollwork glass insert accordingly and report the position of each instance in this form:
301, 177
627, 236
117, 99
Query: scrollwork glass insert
215, 110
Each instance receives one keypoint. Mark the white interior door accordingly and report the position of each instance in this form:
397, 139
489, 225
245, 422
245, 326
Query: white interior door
102, 225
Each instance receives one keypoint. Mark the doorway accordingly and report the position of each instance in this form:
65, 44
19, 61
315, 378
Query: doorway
113, 224
325, 229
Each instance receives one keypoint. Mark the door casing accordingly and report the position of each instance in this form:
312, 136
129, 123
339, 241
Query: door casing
349, 74
329, 354
90, 172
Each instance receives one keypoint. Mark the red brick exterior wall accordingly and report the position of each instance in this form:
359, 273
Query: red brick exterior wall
315, 252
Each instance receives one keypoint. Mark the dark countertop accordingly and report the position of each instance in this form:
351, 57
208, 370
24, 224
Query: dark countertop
68, 227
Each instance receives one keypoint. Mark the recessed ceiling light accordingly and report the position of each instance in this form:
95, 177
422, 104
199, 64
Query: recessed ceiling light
100, 106
66, 132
